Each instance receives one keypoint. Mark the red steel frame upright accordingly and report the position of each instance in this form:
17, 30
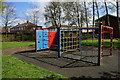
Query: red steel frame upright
106, 29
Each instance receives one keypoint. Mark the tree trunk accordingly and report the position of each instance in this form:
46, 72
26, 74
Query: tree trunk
97, 9
93, 14
6, 30
81, 18
81, 14
86, 14
118, 18
107, 17
59, 17
78, 20
53, 18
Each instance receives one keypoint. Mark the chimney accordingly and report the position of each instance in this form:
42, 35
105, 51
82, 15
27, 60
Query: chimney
18, 23
27, 21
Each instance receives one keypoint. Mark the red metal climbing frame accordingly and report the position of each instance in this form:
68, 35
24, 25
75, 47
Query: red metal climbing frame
106, 29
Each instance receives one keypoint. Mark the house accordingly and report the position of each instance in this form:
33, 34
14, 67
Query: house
2, 29
113, 22
28, 26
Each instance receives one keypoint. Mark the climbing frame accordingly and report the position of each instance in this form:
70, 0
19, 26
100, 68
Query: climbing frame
73, 42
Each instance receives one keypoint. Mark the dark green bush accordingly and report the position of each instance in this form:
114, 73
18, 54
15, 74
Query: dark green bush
18, 36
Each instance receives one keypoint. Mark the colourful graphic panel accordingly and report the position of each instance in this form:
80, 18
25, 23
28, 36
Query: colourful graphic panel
39, 39
52, 38
45, 39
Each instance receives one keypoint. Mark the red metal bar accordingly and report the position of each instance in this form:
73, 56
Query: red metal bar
102, 44
111, 38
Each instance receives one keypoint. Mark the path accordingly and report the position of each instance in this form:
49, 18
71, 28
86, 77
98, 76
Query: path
14, 50
70, 68
108, 68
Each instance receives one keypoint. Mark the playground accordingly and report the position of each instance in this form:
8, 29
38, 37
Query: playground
73, 53
67, 54
60, 40
71, 42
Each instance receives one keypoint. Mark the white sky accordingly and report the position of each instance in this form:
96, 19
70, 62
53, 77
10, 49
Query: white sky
42, 4
57, 0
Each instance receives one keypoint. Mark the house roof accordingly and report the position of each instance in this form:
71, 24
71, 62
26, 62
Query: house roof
105, 16
7, 27
27, 24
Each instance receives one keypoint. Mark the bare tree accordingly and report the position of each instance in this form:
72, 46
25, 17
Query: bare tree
8, 16
76, 13
70, 13
33, 14
107, 8
53, 13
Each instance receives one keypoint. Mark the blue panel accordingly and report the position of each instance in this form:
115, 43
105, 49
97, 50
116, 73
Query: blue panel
45, 38
39, 39
39, 44
42, 39
45, 42
45, 33
39, 34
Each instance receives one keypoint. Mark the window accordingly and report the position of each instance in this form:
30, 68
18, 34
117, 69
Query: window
33, 28
103, 22
21, 28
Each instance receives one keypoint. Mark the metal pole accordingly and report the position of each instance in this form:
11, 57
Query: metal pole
36, 40
59, 43
99, 44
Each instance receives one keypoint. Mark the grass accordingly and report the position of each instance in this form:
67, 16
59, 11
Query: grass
14, 68
6, 45
116, 44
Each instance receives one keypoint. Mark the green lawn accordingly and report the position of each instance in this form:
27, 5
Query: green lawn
116, 44
14, 68
6, 45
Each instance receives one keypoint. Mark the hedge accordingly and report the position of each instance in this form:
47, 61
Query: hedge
18, 36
